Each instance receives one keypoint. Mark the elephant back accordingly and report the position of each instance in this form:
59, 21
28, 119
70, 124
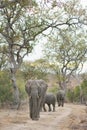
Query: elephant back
50, 98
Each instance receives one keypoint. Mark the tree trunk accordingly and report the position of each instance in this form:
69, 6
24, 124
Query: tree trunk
16, 96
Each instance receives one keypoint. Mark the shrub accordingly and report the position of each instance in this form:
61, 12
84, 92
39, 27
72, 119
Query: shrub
5, 87
77, 94
21, 86
70, 95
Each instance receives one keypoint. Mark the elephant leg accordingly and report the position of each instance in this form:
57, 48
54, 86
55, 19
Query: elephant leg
44, 107
30, 108
53, 107
39, 107
41, 102
59, 103
62, 103
38, 110
49, 107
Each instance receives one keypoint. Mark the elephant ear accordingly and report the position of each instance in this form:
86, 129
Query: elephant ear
43, 84
28, 87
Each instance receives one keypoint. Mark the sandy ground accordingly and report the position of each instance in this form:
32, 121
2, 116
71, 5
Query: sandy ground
69, 117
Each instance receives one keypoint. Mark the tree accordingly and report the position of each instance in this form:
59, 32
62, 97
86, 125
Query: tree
22, 21
67, 52
17, 29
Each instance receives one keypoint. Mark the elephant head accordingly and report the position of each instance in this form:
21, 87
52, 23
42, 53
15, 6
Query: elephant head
60, 97
36, 90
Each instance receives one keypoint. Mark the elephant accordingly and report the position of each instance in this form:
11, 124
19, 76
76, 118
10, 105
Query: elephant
36, 90
60, 97
50, 99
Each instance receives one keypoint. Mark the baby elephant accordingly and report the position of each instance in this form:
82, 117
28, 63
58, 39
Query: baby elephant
50, 99
60, 97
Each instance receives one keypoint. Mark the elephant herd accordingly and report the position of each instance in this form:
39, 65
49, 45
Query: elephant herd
38, 97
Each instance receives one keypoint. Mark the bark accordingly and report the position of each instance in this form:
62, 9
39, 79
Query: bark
16, 96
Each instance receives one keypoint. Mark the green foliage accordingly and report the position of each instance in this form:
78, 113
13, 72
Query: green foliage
78, 92
21, 85
5, 87
84, 90
70, 95
74, 94
33, 70
84, 87
53, 89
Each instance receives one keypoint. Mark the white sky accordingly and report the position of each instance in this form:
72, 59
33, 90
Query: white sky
37, 52
84, 2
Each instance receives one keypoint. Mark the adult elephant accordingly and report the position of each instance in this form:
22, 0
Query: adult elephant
50, 100
60, 97
36, 90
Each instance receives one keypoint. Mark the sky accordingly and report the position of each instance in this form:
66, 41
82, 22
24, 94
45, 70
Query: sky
84, 2
37, 52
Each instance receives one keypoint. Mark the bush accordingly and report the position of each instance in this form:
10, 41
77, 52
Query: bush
5, 87
70, 95
84, 87
21, 86
73, 95
77, 94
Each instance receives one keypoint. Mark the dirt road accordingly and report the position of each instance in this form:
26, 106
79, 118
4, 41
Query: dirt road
69, 117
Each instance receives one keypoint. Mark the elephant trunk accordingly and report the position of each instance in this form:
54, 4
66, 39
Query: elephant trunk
34, 110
